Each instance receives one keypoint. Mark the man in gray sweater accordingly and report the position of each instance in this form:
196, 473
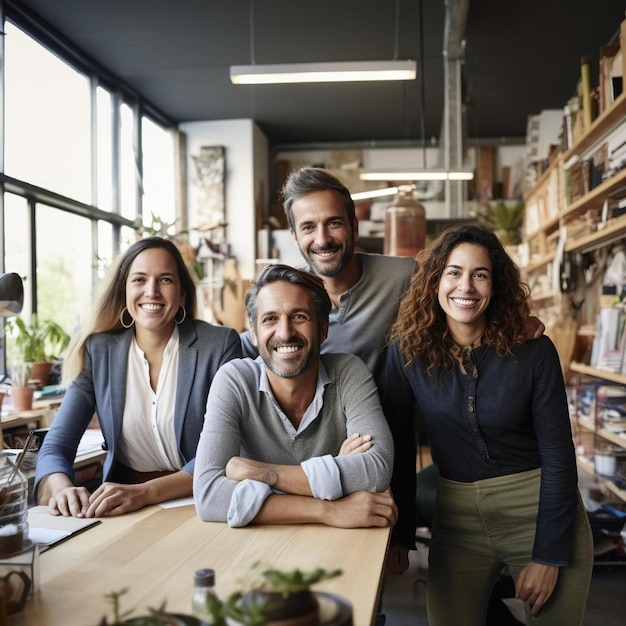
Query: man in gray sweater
365, 290
292, 436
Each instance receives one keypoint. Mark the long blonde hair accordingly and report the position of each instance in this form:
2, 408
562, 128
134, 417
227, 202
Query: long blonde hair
105, 317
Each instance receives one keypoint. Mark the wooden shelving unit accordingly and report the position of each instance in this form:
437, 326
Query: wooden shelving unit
593, 427
551, 218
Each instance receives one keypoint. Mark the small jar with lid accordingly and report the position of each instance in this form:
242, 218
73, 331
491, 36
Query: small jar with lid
203, 598
13, 508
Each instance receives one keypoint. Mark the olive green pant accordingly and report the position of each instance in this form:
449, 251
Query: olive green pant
482, 527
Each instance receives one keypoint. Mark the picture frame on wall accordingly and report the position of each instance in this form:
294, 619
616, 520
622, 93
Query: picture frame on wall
208, 187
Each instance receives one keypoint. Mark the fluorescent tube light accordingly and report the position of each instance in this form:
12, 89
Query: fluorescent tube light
322, 72
430, 174
374, 193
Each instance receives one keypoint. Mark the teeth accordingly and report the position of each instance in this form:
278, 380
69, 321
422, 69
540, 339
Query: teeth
464, 302
152, 307
287, 349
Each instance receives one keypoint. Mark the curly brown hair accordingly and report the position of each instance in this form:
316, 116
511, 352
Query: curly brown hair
421, 329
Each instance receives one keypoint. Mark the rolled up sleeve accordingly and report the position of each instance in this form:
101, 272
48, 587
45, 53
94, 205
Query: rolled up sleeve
246, 501
324, 477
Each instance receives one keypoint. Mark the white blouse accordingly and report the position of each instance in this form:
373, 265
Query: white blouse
148, 440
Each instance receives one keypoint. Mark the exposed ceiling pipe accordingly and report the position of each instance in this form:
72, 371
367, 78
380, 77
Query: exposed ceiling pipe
453, 139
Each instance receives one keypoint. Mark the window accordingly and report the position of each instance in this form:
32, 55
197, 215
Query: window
158, 184
77, 187
104, 133
64, 266
47, 119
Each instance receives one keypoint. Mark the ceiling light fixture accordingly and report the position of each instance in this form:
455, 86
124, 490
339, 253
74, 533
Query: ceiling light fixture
426, 174
322, 72
348, 71
374, 193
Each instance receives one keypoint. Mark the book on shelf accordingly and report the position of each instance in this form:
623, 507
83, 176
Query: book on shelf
577, 180
617, 79
614, 204
617, 149
607, 67
585, 93
609, 340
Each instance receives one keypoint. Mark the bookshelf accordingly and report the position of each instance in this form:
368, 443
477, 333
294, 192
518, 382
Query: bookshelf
572, 211
590, 429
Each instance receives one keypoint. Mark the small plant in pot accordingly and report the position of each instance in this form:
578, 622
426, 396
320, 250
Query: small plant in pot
40, 342
281, 598
277, 598
21, 391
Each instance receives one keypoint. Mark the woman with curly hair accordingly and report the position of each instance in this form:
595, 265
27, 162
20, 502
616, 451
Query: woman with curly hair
495, 409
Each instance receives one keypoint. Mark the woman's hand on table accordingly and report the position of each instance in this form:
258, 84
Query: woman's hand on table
115, 499
70, 501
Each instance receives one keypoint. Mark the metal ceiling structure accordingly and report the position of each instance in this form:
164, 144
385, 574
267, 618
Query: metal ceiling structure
514, 59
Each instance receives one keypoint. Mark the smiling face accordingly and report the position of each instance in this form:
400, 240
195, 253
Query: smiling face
153, 292
465, 290
323, 232
287, 334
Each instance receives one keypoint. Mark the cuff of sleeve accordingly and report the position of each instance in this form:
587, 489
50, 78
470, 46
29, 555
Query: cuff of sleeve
246, 502
324, 477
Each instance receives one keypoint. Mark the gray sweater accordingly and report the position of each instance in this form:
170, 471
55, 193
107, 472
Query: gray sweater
359, 325
244, 419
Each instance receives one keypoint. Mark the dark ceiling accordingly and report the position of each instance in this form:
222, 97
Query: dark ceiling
520, 57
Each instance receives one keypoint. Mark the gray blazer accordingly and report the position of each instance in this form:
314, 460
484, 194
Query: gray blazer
101, 388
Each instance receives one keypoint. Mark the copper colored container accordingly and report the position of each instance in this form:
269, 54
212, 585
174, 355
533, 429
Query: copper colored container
405, 225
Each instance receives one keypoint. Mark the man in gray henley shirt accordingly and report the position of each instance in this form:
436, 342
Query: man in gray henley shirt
294, 437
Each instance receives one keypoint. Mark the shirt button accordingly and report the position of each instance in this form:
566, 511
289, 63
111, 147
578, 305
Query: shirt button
471, 409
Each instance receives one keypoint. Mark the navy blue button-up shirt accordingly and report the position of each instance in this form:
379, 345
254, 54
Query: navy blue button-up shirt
498, 415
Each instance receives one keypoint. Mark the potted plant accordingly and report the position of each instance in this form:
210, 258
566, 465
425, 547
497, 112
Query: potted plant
41, 342
280, 597
21, 391
505, 220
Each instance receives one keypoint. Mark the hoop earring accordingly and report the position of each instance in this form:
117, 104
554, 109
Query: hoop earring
132, 320
182, 319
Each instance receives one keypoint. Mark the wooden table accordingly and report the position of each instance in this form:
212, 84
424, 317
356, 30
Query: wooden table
155, 552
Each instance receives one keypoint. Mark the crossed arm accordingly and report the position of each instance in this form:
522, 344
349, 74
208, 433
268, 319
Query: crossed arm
288, 478
297, 505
